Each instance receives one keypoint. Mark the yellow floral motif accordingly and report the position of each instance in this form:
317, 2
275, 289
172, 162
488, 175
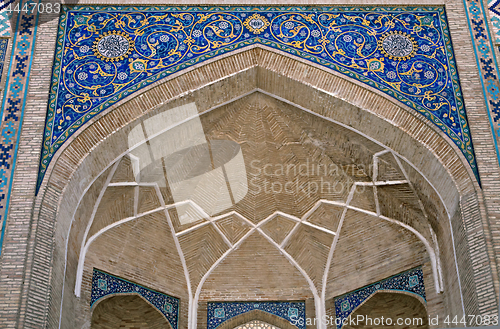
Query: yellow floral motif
375, 65
138, 65
256, 23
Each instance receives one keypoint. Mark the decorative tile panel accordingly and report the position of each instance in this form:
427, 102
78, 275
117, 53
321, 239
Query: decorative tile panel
104, 54
14, 102
220, 312
104, 284
411, 281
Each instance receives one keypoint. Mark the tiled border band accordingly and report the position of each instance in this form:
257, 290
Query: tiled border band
487, 64
411, 281
13, 105
104, 284
220, 312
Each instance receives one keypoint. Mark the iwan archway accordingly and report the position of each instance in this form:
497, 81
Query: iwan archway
407, 189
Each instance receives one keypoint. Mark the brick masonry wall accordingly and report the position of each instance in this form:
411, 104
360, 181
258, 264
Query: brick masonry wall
25, 212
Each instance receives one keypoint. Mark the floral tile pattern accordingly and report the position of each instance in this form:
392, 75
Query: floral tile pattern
104, 54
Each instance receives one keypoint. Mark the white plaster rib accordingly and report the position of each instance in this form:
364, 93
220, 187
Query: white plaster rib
87, 229
379, 183
136, 200
132, 184
433, 235
319, 299
375, 178
298, 222
178, 246
332, 249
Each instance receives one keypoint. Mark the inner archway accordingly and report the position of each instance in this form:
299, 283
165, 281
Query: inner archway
256, 319
256, 324
129, 311
401, 310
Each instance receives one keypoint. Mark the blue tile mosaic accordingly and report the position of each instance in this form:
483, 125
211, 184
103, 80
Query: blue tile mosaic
104, 284
104, 54
411, 281
14, 99
220, 312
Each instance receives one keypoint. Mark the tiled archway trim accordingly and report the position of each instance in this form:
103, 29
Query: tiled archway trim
155, 42
482, 41
104, 284
14, 100
411, 281
219, 312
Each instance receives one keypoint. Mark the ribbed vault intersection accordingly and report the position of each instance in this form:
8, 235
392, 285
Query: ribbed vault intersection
313, 188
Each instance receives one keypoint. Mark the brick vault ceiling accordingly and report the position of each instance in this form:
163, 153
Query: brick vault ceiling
362, 181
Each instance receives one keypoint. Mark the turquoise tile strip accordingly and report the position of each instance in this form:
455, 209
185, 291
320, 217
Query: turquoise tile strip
104, 54
14, 104
494, 7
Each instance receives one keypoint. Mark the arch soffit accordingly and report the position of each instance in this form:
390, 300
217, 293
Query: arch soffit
425, 240
399, 292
